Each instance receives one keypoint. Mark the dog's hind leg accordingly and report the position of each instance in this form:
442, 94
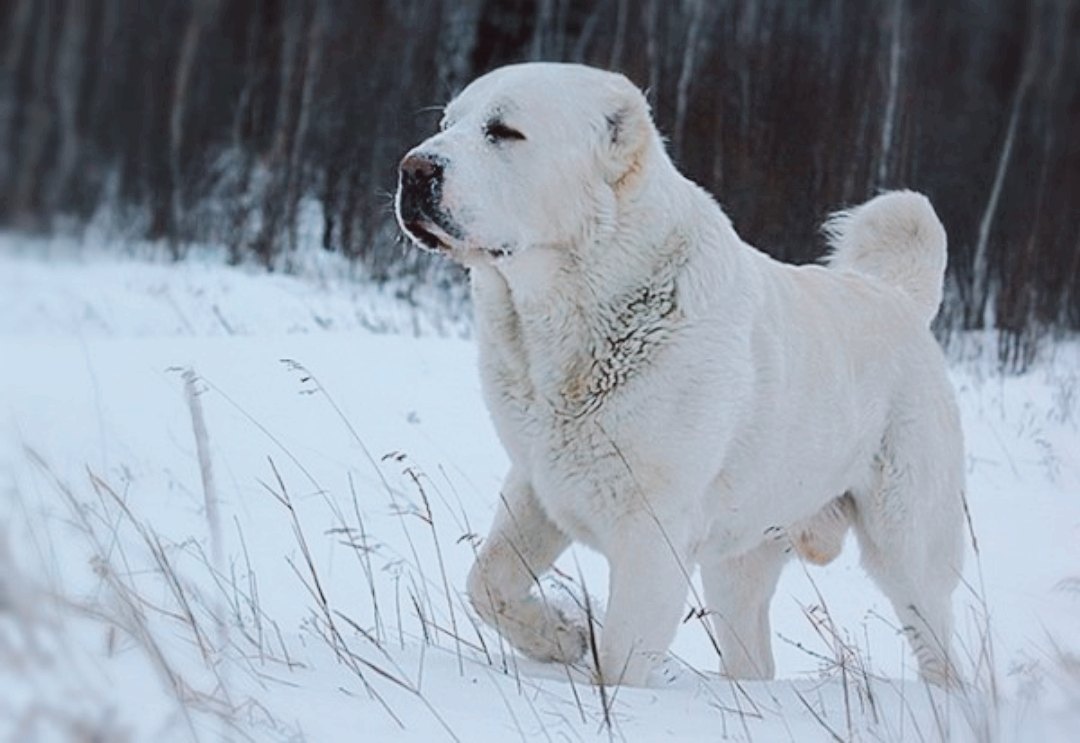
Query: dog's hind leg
909, 527
738, 591
522, 545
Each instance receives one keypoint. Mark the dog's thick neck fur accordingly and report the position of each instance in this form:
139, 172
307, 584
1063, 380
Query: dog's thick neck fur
572, 321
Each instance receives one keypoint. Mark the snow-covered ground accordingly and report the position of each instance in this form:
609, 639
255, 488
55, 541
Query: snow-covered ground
233, 506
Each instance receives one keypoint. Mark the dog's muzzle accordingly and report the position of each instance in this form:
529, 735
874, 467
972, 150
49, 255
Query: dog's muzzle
419, 200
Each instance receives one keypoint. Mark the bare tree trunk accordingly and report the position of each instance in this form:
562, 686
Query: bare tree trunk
746, 35
983, 307
456, 43
291, 42
20, 34
37, 125
652, 50
316, 28
588, 32
14, 46
617, 44
1071, 296
201, 13
104, 82
686, 74
277, 162
67, 82
896, 48
545, 15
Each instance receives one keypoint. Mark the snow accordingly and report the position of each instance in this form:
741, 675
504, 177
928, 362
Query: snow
353, 471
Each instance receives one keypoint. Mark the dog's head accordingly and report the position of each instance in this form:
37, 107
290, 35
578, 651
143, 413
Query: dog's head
527, 155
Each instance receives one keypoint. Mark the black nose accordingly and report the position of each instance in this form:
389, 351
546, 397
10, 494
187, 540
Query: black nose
421, 172
420, 169
421, 185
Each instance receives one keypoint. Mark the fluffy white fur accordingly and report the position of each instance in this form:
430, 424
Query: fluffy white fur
673, 397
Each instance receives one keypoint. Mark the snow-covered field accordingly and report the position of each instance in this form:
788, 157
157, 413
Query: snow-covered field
242, 506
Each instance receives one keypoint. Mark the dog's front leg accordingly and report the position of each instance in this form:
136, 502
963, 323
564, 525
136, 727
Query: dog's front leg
650, 576
522, 545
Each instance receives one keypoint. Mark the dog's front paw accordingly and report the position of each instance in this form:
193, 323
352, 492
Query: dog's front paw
556, 637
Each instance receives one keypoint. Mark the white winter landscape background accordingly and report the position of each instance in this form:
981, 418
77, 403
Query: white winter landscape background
241, 506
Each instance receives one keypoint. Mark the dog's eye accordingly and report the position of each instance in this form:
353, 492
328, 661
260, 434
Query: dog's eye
496, 131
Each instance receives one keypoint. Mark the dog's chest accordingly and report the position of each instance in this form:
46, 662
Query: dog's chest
561, 392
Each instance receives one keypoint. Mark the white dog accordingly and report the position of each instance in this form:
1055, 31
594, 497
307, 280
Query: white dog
672, 397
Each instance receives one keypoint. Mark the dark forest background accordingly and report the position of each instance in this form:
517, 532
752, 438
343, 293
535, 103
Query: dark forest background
243, 122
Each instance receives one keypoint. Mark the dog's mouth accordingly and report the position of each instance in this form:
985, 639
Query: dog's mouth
432, 236
428, 235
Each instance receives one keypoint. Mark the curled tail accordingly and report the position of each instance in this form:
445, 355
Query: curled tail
895, 237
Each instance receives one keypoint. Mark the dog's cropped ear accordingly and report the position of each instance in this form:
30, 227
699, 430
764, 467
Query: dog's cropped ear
628, 131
